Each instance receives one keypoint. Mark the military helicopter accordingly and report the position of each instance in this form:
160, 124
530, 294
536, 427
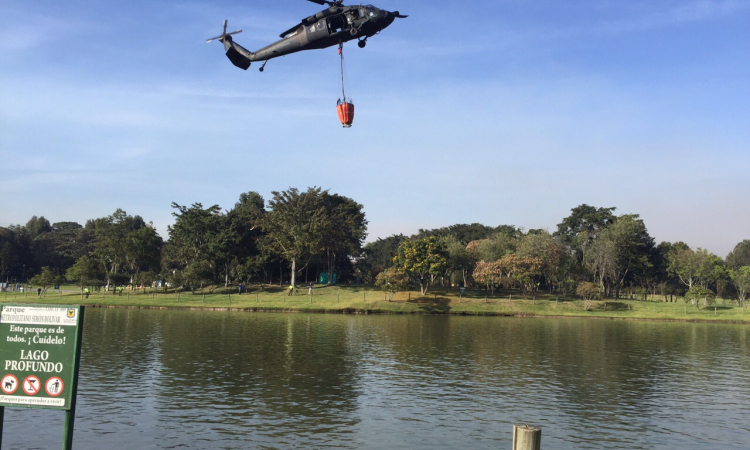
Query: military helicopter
332, 26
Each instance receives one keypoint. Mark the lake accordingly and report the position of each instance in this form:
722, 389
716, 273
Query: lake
153, 379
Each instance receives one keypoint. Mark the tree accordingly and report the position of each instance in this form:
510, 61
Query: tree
85, 272
489, 274
192, 244
378, 256
582, 228
551, 251
460, 261
61, 247
295, 225
685, 264
45, 279
423, 258
631, 245
741, 279
696, 293
111, 234
523, 271
740, 256
245, 223
585, 219
588, 292
392, 280
493, 248
142, 251
37, 225
345, 229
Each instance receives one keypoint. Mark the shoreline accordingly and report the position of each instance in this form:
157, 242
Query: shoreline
365, 299
355, 311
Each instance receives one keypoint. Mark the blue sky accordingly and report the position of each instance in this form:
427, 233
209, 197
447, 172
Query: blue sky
498, 112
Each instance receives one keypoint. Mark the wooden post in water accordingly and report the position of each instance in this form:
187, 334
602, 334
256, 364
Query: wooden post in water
527, 437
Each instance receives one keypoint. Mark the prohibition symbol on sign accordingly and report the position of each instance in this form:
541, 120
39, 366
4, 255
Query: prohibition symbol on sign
31, 385
9, 384
53, 386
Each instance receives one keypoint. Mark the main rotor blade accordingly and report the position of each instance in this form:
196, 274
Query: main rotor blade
319, 2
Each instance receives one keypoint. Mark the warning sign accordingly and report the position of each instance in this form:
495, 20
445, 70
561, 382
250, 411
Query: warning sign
53, 386
39, 345
9, 384
31, 385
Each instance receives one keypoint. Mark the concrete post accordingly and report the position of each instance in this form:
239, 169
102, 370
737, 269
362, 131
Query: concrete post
527, 437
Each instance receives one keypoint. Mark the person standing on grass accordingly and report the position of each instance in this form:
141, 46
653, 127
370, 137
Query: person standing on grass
291, 289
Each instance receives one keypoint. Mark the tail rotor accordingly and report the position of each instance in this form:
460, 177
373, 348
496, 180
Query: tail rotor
224, 34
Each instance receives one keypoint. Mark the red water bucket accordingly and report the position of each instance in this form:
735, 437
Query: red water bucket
346, 113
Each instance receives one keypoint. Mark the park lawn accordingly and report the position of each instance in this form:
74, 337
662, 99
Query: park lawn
368, 299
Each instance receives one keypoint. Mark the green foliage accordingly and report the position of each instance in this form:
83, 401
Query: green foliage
550, 251
423, 258
85, 272
492, 248
196, 241
523, 271
345, 230
46, 279
378, 256
392, 280
741, 279
739, 256
587, 220
465, 233
488, 274
588, 290
295, 225
696, 294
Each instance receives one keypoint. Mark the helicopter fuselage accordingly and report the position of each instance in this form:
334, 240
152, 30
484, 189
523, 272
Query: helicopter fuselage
327, 28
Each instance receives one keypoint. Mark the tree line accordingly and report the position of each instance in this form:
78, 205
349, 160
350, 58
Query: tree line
314, 235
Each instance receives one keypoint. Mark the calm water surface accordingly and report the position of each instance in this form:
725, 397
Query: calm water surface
218, 380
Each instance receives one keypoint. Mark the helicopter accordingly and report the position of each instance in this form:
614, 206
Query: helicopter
332, 26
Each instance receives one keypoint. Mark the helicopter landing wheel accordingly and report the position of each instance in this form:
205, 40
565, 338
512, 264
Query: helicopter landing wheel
361, 44
263, 66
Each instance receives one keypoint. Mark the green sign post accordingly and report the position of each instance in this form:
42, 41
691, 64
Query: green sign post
40, 347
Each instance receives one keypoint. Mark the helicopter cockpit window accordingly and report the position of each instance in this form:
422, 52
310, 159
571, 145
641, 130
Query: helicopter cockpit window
372, 12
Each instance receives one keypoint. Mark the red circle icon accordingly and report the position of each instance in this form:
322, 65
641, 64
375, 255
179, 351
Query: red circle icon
53, 386
31, 385
9, 384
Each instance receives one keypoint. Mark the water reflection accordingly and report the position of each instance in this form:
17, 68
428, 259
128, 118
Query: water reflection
172, 379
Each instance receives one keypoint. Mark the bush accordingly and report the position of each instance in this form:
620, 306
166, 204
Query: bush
697, 293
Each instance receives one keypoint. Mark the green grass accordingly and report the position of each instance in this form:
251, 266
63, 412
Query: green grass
367, 299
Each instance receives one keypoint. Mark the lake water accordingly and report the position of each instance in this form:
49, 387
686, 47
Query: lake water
221, 380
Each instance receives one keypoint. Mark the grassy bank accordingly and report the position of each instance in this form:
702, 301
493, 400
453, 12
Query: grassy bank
367, 299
